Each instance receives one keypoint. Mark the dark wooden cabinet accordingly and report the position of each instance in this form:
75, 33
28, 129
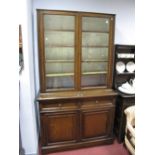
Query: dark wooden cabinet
72, 121
75, 50
76, 100
125, 54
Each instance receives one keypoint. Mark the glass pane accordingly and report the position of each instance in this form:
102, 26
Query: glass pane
59, 22
59, 44
95, 39
52, 68
59, 53
95, 24
57, 38
94, 67
95, 47
94, 53
60, 82
94, 80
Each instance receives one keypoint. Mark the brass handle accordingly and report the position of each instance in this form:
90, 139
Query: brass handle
96, 101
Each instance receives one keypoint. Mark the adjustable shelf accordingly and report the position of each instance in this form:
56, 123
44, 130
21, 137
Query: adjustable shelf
59, 61
59, 74
93, 73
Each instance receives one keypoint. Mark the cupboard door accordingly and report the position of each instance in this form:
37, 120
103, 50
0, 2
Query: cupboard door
59, 46
96, 124
95, 51
59, 128
75, 50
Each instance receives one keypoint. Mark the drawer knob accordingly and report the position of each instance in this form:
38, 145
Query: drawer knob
60, 105
96, 101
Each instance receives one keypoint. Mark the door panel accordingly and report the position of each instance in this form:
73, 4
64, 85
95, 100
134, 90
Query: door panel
59, 46
61, 127
95, 123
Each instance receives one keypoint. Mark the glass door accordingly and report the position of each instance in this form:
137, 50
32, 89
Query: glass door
59, 42
95, 49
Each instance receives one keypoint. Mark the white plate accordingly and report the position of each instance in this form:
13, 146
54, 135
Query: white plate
126, 91
120, 67
130, 66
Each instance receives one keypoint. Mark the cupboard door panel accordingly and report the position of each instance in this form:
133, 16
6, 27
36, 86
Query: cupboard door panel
89, 80
94, 67
60, 68
94, 54
59, 39
61, 127
59, 22
95, 124
56, 83
95, 51
95, 39
95, 24
59, 51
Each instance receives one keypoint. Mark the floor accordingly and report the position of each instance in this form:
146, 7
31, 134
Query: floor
113, 149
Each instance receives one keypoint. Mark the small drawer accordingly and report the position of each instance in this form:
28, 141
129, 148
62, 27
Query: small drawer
96, 103
58, 106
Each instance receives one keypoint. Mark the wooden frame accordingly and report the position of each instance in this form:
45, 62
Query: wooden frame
71, 117
78, 46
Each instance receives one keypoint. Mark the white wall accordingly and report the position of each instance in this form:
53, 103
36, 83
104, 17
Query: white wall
27, 113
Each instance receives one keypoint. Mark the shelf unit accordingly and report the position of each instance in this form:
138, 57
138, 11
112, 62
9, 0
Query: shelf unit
123, 100
81, 48
76, 99
120, 78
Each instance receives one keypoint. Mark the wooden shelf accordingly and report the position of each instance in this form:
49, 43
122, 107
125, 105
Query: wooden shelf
59, 30
94, 73
71, 30
95, 46
95, 31
59, 74
95, 60
125, 73
59, 61
128, 59
73, 46
49, 45
71, 74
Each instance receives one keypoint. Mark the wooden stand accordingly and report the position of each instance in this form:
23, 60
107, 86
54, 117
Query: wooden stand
76, 119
